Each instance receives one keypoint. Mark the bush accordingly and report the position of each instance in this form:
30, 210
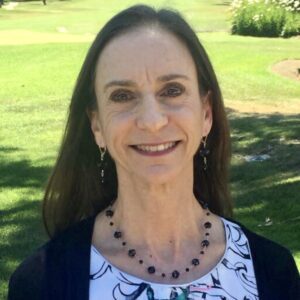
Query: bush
291, 26
289, 5
266, 18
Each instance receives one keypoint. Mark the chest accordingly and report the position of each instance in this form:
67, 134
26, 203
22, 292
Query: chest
231, 278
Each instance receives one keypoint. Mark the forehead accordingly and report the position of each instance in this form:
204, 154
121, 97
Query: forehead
147, 50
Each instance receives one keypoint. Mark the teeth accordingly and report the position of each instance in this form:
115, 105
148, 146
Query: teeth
155, 148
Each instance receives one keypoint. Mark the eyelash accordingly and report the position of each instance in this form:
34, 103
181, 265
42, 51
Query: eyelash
118, 96
176, 91
178, 88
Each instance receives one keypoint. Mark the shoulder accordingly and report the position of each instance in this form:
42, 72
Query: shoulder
274, 266
76, 235
28, 279
260, 244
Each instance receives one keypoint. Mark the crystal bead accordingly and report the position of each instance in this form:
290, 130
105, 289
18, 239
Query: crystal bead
175, 274
109, 213
204, 205
207, 225
151, 270
205, 243
204, 152
195, 262
131, 252
118, 234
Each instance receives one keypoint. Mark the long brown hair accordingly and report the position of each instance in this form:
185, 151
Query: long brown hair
74, 190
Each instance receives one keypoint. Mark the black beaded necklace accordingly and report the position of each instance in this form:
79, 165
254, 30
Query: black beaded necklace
175, 274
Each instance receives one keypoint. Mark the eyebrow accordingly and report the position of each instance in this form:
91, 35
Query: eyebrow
130, 83
119, 83
170, 77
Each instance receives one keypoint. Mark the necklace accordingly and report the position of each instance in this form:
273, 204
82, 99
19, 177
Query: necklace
151, 269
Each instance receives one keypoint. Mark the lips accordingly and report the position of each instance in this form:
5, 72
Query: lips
155, 149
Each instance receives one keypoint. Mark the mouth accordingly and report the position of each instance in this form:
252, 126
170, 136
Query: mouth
155, 149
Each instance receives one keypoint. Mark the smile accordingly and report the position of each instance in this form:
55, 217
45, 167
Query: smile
155, 149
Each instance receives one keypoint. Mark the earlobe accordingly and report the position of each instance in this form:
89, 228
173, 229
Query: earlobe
96, 127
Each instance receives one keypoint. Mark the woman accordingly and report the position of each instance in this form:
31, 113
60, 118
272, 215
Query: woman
137, 201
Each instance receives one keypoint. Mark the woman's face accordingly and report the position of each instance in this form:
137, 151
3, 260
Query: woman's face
150, 116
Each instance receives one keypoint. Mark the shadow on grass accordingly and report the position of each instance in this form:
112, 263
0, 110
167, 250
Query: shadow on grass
279, 204
277, 136
21, 225
269, 188
20, 173
259, 129
20, 220
8, 149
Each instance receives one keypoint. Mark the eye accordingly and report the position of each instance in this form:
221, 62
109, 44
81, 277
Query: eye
173, 90
121, 96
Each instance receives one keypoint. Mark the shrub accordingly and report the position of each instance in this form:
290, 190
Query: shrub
288, 5
269, 18
291, 26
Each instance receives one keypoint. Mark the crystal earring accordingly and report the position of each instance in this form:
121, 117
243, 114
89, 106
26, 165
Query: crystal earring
204, 152
102, 154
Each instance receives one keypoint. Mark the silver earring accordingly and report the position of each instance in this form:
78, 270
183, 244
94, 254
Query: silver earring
102, 154
204, 152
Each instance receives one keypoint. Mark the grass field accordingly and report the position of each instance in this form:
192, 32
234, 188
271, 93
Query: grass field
41, 51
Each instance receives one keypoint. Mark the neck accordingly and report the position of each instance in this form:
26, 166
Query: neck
160, 218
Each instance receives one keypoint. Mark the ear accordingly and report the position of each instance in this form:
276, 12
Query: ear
207, 114
96, 128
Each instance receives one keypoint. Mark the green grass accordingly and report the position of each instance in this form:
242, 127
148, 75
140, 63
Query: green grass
38, 72
81, 17
239, 60
268, 189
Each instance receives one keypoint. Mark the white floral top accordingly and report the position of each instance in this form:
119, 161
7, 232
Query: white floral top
232, 278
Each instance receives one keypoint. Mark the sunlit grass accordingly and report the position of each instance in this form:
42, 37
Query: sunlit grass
38, 71
80, 17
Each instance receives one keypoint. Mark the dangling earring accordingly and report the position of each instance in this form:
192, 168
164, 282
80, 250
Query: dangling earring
102, 154
204, 152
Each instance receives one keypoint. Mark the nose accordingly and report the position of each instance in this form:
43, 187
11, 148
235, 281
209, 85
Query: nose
151, 115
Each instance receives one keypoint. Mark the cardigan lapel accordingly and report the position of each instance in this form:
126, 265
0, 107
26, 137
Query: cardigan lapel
68, 266
78, 263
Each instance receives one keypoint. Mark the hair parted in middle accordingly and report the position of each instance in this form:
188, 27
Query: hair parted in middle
74, 190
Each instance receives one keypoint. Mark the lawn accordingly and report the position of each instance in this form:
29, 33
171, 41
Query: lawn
42, 49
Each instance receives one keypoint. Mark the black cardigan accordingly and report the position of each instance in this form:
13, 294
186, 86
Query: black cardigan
59, 270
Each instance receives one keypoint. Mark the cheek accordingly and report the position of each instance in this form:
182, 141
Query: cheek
191, 114
192, 122
116, 125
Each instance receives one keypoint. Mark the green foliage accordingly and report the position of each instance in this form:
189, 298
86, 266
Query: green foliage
265, 18
288, 5
37, 77
291, 26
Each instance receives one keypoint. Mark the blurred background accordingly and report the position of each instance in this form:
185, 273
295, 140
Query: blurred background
255, 49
